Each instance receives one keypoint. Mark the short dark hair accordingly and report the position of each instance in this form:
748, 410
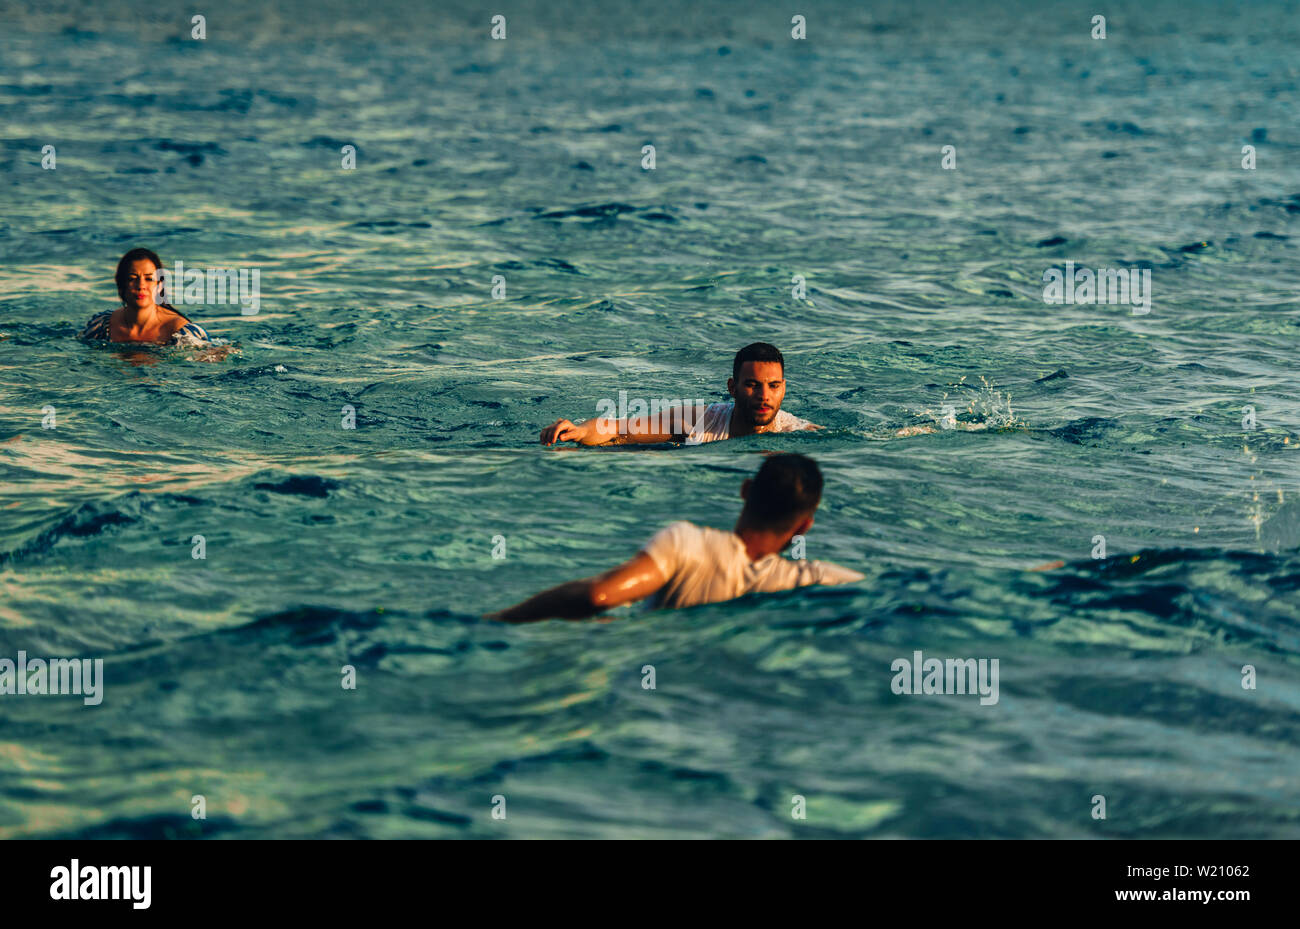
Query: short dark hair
759, 351
785, 488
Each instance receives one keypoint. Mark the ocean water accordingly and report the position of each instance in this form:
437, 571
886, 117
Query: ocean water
1120, 676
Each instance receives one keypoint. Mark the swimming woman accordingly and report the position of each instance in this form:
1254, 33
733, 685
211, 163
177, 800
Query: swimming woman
140, 318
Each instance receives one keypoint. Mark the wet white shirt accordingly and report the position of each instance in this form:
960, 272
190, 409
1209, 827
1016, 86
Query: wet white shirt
715, 424
704, 565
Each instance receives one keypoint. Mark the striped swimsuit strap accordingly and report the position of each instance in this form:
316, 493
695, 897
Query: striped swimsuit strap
99, 327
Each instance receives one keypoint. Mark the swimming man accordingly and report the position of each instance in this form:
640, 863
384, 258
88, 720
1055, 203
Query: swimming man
757, 386
685, 565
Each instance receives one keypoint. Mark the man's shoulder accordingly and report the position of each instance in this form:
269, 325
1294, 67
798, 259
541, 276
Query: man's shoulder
715, 414
788, 422
686, 538
783, 573
681, 529
713, 424
670, 545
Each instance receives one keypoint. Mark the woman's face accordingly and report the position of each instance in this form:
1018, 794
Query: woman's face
140, 285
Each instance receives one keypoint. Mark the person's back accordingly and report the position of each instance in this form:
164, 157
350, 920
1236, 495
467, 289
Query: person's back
685, 565
705, 565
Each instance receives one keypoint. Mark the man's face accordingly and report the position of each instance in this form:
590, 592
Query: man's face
759, 391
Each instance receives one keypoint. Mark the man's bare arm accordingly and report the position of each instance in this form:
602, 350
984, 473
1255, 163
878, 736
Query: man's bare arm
641, 430
635, 579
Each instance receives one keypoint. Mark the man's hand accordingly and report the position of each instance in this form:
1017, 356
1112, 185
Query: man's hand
564, 431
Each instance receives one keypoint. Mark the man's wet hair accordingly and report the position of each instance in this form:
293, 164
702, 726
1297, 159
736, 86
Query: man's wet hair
759, 351
785, 488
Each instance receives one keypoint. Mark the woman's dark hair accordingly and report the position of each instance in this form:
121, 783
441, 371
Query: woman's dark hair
124, 266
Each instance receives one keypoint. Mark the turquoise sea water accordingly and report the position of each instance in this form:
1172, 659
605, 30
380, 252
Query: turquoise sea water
373, 547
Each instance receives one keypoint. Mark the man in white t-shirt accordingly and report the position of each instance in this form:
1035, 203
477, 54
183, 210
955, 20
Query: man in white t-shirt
685, 565
757, 386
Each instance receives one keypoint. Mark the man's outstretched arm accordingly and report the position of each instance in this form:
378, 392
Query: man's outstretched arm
633, 580
667, 426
